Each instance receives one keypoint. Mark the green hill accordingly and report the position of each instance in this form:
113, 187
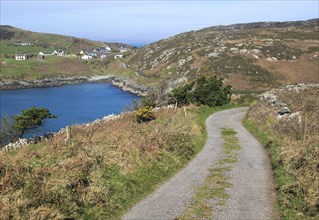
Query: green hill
253, 56
33, 68
10, 36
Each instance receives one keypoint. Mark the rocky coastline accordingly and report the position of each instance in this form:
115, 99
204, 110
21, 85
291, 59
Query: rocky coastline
121, 82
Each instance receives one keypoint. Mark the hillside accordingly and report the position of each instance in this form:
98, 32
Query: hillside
254, 56
9, 36
35, 68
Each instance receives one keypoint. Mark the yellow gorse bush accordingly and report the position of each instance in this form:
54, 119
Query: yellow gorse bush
144, 114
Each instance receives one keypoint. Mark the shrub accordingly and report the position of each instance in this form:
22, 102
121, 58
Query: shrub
30, 119
205, 91
144, 114
180, 95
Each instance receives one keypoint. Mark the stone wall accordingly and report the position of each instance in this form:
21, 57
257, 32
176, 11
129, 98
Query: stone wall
282, 110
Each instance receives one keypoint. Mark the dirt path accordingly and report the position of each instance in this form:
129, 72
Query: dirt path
251, 196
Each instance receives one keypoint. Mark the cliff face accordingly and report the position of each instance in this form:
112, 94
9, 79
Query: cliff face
121, 82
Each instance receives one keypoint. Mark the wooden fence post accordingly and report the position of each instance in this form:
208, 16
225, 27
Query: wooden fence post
69, 136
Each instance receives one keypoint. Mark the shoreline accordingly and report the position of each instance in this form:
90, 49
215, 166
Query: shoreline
121, 82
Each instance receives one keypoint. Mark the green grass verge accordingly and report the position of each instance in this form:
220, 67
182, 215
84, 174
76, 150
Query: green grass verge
288, 207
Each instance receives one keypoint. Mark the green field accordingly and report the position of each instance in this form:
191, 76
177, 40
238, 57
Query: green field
10, 49
34, 69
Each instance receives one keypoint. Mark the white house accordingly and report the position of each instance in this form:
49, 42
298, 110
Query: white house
25, 44
86, 57
21, 56
58, 52
103, 56
118, 56
45, 54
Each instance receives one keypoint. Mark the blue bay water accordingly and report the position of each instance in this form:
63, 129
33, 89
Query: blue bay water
73, 104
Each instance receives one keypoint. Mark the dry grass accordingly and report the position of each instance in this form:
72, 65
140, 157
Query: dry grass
303, 70
110, 166
294, 149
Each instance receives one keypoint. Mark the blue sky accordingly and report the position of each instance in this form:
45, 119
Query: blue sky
145, 21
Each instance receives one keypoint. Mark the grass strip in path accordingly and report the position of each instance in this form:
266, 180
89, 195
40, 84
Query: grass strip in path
213, 191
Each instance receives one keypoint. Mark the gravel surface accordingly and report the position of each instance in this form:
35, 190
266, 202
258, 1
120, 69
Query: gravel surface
251, 196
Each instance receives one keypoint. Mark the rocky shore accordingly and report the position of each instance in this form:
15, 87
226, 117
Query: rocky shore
121, 82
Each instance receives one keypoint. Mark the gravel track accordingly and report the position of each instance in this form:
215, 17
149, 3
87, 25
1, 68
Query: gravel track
252, 195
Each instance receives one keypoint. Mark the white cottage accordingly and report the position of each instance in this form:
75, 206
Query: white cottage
86, 57
58, 52
21, 56
118, 56
103, 56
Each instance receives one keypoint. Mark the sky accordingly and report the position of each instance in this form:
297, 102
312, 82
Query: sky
142, 22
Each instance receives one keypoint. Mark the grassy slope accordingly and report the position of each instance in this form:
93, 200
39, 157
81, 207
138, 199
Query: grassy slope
161, 60
109, 168
43, 42
158, 64
49, 67
294, 151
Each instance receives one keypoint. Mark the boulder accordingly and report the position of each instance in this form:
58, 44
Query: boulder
182, 62
213, 55
283, 110
243, 51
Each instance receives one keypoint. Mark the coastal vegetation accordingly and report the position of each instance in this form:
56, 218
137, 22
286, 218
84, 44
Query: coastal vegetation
292, 142
28, 121
31, 119
203, 91
108, 167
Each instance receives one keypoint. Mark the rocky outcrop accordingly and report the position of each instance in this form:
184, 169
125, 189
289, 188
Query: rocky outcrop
121, 82
129, 85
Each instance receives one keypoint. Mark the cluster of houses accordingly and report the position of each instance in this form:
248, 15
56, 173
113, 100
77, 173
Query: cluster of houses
24, 44
101, 52
57, 52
